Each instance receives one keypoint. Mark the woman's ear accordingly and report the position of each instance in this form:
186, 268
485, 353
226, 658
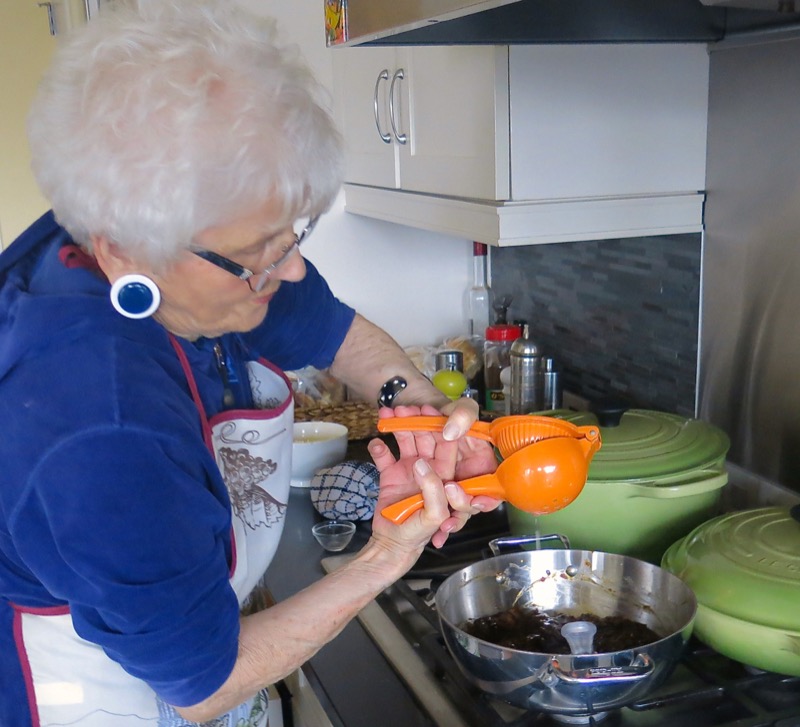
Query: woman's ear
110, 259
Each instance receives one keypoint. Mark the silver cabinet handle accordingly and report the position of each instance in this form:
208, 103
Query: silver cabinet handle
51, 18
399, 74
385, 136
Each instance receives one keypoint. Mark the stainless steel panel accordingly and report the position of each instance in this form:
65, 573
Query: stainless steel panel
749, 381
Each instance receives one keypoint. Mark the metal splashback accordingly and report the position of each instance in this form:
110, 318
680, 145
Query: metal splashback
749, 382
438, 22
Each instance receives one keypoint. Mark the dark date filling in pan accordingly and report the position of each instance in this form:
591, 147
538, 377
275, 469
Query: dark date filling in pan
528, 629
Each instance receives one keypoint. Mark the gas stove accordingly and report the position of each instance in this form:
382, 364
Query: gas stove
706, 689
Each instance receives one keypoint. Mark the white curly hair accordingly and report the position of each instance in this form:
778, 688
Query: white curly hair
162, 118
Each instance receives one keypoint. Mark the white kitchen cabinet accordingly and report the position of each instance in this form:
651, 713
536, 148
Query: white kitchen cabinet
528, 143
428, 119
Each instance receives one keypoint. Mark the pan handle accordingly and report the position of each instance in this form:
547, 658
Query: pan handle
498, 544
551, 673
640, 668
701, 482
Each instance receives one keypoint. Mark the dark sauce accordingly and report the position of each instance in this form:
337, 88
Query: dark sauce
528, 629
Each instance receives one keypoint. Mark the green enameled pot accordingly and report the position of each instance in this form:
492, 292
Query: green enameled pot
655, 478
744, 568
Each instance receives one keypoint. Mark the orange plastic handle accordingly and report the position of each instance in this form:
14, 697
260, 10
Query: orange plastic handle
479, 430
488, 485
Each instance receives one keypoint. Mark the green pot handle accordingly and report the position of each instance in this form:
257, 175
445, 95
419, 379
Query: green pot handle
705, 481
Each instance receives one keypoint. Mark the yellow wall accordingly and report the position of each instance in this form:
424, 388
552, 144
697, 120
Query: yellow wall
25, 51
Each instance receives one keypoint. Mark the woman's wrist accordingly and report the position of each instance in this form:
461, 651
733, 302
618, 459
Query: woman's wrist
386, 562
421, 391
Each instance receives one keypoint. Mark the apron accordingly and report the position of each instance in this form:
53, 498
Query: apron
74, 682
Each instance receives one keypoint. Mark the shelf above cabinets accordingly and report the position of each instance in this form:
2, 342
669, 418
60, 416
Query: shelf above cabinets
514, 145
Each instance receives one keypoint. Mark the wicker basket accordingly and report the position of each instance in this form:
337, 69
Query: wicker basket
360, 417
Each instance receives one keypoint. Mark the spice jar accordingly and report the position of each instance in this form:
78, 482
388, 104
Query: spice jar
496, 350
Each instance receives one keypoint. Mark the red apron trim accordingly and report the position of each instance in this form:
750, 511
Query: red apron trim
25, 666
187, 371
42, 610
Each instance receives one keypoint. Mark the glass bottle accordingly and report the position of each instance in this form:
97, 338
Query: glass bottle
478, 297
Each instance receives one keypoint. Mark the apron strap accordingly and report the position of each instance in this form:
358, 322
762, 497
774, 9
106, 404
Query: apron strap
187, 370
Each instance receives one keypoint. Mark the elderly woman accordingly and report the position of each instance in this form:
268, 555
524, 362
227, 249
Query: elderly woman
145, 324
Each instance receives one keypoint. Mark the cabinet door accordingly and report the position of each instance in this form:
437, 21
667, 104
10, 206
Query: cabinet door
362, 77
454, 110
442, 114
608, 120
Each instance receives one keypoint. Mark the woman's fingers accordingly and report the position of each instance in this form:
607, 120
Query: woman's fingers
461, 415
437, 507
381, 454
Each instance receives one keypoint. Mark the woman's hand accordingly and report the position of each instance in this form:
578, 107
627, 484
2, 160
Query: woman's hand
447, 506
472, 456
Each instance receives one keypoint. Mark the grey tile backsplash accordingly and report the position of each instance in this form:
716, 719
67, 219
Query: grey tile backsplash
619, 316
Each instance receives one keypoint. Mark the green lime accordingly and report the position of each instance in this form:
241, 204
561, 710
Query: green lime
451, 383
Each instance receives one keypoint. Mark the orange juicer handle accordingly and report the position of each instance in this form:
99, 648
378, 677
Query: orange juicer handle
479, 430
488, 485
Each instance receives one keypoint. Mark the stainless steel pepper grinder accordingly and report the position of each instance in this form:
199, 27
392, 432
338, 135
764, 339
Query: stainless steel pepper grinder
551, 385
527, 384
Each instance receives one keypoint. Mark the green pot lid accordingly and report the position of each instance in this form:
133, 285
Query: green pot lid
648, 445
744, 564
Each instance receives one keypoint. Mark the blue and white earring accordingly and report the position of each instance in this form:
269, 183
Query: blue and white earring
135, 296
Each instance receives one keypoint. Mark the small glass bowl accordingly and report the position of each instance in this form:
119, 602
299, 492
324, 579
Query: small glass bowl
334, 535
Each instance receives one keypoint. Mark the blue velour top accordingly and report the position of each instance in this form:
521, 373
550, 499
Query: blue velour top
110, 502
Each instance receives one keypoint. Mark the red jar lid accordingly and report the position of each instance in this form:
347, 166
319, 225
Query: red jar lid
503, 332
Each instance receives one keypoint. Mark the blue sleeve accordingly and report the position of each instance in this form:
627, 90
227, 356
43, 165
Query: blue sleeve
129, 528
305, 325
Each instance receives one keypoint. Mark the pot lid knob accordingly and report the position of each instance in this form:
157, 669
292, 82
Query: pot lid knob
609, 411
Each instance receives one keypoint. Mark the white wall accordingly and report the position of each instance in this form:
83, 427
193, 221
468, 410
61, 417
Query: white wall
25, 50
408, 281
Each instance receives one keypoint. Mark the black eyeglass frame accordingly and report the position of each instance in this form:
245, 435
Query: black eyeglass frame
243, 273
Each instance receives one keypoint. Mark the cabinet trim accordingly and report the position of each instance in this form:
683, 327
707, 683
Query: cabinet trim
507, 224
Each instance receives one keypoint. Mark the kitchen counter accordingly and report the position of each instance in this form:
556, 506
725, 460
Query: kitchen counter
353, 682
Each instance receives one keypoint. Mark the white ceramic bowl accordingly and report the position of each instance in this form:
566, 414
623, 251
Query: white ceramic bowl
316, 445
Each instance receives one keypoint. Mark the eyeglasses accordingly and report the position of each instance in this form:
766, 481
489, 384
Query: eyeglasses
256, 281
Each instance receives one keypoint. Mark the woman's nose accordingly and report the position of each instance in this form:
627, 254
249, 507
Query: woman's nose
294, 269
